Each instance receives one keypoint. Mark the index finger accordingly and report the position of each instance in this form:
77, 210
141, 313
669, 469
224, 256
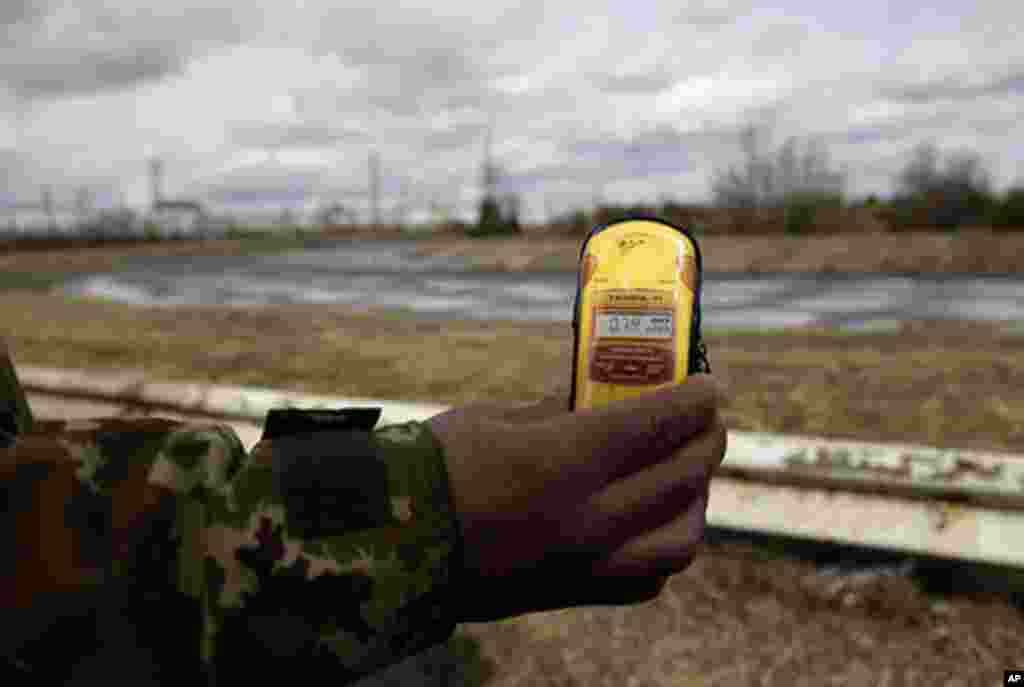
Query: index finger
606, 443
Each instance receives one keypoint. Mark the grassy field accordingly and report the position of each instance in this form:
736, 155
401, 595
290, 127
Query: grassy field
952, 384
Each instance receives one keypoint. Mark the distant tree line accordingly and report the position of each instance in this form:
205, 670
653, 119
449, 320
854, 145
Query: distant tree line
794, 188
796, 178
952, 191
497, 216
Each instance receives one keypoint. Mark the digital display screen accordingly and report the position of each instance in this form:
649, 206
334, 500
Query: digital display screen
648, 325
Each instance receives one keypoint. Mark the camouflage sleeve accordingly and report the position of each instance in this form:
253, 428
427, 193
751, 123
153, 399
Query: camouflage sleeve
314, 552
93, 582
328, 550
15, 416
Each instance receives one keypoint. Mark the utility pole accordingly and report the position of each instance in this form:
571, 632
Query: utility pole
489, 172
402, 208
489, 214
48, 208
156, 174
83, 205
375, 190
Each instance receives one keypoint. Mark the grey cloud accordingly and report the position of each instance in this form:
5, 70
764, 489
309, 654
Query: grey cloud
997, 127
135, 48
67, 72
940, 123
912, 125
26, 175
444, 67
416, 64
265, 185
16, 171
452, 139
778, 40
662, 151
581, 177
638, 160
864, 135
662, 138
712, 16
954, 89
541, 177
431, 65
13, 12
440, 78
633, 83
399, 45
277, 185
301, 135
412, 89
295, 195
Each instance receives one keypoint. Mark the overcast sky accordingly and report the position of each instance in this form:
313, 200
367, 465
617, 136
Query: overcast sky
251, 101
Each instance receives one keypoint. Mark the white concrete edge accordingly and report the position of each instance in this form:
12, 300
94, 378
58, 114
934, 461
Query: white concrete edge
923, 469
932, 528
251, 403
935, 527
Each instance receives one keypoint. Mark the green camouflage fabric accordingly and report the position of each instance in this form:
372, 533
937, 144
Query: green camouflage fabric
164, 552
15, 416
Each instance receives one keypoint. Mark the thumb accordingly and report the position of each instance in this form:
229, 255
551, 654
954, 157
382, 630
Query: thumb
603, 444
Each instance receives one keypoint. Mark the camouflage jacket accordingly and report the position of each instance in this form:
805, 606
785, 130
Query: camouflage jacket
163, 551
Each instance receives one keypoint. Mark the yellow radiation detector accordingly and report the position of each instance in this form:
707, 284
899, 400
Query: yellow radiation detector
636, 321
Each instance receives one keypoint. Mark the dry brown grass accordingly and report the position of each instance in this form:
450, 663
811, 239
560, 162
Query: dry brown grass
949, 384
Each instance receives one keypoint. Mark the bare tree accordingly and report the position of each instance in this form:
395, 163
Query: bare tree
947, 193
772, 179
965, 171
921, 175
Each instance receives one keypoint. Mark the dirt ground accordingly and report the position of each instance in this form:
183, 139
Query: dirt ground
739, 615
980, 252
975, 252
